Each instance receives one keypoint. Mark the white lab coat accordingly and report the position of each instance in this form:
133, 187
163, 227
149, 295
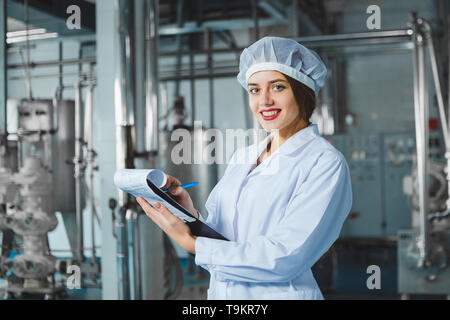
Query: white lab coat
280, 219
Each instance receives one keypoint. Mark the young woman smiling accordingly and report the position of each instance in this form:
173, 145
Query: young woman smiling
285, 208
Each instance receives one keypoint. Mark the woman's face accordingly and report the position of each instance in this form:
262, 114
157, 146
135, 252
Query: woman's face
272, 100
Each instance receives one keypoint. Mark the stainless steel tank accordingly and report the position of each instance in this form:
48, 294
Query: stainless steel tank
63, 153
205, 174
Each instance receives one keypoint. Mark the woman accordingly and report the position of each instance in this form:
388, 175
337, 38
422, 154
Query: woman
284, 209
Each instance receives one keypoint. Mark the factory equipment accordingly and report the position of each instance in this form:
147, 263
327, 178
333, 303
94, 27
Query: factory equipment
7, 195
191, 171
378, 164
52, 157
32, 220
433, 277
423, 251
29, 193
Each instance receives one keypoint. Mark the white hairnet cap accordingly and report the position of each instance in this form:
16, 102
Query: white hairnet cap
286, 56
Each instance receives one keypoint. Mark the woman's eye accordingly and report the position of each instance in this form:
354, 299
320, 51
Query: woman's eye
278, 87
253, 90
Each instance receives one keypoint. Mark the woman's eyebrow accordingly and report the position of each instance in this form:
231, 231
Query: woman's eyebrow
271, 81
277, 80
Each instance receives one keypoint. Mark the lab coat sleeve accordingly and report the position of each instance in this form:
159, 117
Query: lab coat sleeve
311, 224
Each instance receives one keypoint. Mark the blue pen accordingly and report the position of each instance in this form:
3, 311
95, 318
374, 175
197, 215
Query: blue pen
187, 185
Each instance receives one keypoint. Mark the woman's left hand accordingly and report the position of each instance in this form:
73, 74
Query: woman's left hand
173, 226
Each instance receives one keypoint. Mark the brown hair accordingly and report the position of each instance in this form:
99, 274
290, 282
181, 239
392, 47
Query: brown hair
305, 97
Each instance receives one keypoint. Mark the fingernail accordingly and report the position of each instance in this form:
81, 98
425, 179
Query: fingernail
158, 205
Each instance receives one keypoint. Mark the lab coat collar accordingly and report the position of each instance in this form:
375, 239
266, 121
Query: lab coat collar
287, 149
293, 143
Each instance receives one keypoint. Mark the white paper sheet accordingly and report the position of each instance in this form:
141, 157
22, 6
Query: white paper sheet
134, 182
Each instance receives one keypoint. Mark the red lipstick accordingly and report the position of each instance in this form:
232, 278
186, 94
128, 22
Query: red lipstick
268, 118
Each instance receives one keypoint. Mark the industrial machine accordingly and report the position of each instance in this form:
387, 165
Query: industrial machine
43, 174
400, 187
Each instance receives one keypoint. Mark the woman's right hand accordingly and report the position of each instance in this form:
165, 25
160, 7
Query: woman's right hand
180, 194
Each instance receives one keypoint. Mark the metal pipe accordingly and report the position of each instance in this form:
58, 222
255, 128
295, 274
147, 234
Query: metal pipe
79, 171
179, 44
51, 63
27, 68
255, 34
199, 76
421, 124
437, 82
60, 68
90, 155
295, 23
165, 104
3, 70
139, 57
54, 75
339, 39
208, 45
122, 254
401, 35
132, 218
124, 116
138, 260
192, 81
152, 99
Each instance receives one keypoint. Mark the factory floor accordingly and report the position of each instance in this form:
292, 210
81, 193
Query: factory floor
198, 292
196, 283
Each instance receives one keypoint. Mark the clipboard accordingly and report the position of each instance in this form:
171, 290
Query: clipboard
147, 183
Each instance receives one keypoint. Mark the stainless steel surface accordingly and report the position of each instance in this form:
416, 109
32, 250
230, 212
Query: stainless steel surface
358, 38
208, 44
122, 255
32, 219
152, 80
421, 124
440, 100
414, 279
35, 116
188, 172
51, 63
3, 69
295, 22
437, 83
89, 155
64, 144
179, 45
79, 172
124, 100
35, 128
124, 90
255, 18
133, 242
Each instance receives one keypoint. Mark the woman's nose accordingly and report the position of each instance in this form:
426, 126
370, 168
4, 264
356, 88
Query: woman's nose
265, 99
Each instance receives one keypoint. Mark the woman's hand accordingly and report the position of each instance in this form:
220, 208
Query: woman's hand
173, 226
179, 194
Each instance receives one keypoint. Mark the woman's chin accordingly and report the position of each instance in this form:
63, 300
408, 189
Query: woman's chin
268, 127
